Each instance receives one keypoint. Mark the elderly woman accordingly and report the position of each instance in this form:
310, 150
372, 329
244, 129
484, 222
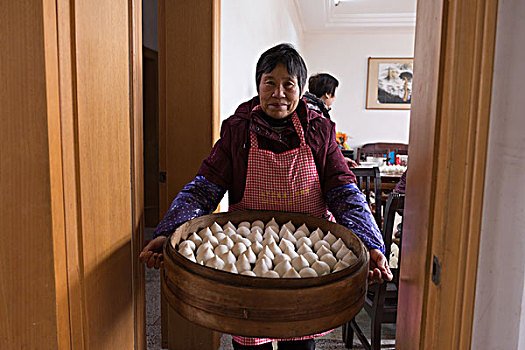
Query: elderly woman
274, 143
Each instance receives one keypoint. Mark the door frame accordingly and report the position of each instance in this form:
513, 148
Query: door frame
453, 61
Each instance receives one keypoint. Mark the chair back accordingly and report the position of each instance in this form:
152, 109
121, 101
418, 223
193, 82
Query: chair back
365, 177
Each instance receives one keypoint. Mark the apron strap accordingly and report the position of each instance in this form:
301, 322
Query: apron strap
296, 123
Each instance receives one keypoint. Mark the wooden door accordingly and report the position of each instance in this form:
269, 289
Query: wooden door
453, 61
188, 123
71, 217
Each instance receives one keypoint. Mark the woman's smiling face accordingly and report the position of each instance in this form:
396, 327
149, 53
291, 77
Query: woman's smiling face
279, 92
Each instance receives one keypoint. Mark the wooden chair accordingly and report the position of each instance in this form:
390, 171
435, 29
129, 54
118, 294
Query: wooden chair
381, 299
365, 177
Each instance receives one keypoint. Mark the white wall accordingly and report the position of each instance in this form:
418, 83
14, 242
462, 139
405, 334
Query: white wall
345, 56
248, 28
499, 321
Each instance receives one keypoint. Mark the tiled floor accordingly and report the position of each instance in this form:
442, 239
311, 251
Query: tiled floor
332, 341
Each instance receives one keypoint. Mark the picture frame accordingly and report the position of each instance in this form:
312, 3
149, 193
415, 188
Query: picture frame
389, 82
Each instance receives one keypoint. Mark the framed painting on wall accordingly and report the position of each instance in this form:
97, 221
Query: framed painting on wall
389, 83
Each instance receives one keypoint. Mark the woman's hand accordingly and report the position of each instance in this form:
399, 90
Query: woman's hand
379, 270
151, 254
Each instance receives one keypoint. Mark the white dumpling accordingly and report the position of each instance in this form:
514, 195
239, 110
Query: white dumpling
185, 251
255, 236
203, 246
212, 240
221, 249
304, 240
269, 239
290, 226
227, 241
303, 249
205, 255
250, 255
215, 228
248, 273
304, 229
311, 257
228, 258
282, 267
195, 238
274, 248
321, 268
238, 248
230, 268
260, 268
337, 245
329, 259
283, 231
286, 243
258, 223
318, 232
330, 238
215, 263
340, 266
229, 225
272, 223
315, 237
322, 251
244, 224
236, 237
266, 251
350, 258
288, 236
342, 252
270, 231
256, 247
243, 264
219, 235
189, 244
243, 231
271, 274
300, 234
257, 229
291, 253
228, 231
266, 259
291, 274
299, 263
280, 258
307, 272
205, 232
246, 241
321, 243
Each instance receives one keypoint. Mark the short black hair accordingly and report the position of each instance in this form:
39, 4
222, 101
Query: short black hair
287, 55
322, 83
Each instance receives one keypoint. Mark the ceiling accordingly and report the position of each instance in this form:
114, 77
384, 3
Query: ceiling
318, 16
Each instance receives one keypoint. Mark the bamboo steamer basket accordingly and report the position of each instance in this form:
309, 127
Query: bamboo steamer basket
264, 307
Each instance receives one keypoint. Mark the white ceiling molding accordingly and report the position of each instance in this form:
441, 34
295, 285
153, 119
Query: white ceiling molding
322, 16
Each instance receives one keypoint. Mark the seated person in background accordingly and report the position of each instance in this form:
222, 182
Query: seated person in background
321, 93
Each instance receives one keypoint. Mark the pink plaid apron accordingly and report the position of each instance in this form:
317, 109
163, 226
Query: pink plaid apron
284, 182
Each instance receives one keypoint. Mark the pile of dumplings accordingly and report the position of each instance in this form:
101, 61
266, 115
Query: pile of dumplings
267, 250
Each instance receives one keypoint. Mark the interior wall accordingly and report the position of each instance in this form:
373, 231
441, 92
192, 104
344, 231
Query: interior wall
345, 56
248, 28
499, 322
